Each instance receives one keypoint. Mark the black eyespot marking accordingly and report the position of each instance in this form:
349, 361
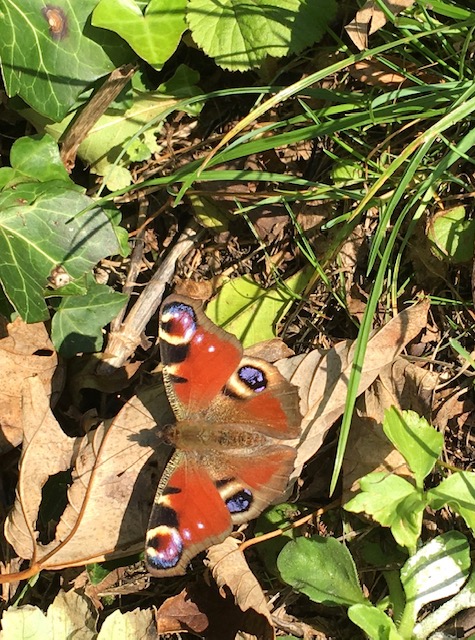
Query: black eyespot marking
240, 502
164, 548
166, 516
253, 377
170, 491
178, 321
173, 353
57, 21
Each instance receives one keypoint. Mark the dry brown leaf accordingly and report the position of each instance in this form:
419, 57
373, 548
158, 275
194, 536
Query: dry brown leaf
323, 379
401, 384
201, 609
46, 451
25, 351
377, 74
111, 494
370, 18
229, 568
181, 613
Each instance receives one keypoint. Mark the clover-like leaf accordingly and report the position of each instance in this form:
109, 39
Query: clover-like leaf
416, 439
393, 502
457, 491
46, 56
239, 34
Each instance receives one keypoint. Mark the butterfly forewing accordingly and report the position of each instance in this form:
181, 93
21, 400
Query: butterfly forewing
197, 361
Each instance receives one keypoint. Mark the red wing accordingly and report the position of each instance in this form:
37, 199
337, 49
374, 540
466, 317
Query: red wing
188, 516
198, 357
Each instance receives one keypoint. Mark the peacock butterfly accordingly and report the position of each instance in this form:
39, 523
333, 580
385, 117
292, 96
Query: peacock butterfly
234, 414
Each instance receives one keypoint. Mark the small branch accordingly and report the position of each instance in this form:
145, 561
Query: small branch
122, 343
91, 113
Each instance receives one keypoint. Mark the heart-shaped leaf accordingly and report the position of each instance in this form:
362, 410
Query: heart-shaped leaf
154, 36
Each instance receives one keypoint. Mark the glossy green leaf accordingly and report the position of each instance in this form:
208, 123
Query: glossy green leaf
34, 159
41, 231
153, 35
375, 623
49, 56
323, 569
393, 502
250, 312
457, 491
415, 439
78, 322
240, 35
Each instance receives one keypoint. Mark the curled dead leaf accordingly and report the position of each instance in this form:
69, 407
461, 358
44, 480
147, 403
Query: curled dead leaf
322, 379
25, 351
370, 18
401, 384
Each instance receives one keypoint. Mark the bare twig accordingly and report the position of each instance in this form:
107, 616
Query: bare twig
91, 113
122, 343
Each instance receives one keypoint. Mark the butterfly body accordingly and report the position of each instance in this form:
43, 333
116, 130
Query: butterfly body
234, 414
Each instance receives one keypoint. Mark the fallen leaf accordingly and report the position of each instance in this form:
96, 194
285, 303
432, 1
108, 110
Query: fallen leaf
131, 625
200, 609
322, 379
181, 613
375, 73
370, 18
401, 384
114, 481
25, 351
46, 451
68, 616
230, 569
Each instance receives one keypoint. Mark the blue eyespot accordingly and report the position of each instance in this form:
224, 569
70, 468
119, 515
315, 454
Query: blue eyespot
239, 502
253, 377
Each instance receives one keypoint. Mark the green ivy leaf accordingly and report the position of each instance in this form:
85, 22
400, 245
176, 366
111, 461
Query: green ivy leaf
77, 324
393, 502
34, 159
458, 491
154, 35
415, 439
323, 569
46, 56
240, 34
39, 232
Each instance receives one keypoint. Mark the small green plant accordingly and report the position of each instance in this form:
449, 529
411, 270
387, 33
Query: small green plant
324, 569
51, 237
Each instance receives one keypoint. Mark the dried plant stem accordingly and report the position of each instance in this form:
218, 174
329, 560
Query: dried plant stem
123, 342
